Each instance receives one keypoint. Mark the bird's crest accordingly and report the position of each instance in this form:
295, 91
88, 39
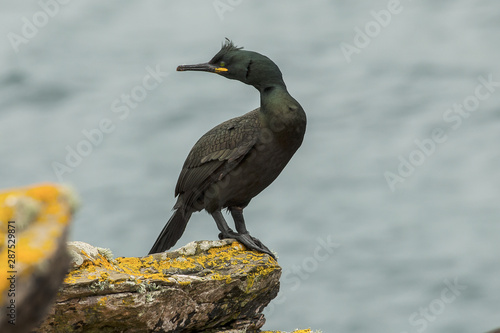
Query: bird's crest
227, 46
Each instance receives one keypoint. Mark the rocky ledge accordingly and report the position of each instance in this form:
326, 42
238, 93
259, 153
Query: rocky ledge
203, 286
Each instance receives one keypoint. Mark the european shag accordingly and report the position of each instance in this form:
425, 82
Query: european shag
236, 160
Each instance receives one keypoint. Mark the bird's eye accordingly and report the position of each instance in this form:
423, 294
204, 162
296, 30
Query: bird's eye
222, 64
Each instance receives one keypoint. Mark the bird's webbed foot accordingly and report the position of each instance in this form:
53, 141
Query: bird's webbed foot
242, 236
248, 240
253, 243
228, 234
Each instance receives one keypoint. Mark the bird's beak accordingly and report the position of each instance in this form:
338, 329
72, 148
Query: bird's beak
207, 67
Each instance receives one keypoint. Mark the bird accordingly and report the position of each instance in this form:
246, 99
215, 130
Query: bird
237, 159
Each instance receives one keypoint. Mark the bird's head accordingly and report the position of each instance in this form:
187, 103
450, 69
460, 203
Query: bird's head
237, 64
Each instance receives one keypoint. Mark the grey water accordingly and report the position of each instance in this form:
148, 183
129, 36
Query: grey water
386, 219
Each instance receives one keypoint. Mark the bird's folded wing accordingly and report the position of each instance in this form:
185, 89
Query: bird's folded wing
218, 152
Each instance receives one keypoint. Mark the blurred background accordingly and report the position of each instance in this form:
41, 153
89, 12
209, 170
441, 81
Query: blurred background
386, 219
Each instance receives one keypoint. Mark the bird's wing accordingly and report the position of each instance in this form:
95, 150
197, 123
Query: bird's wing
218, 152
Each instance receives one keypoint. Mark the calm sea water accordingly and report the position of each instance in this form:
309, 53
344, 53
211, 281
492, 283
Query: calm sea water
387, 218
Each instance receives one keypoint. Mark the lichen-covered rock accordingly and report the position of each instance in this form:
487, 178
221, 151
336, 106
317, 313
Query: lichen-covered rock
203, 286
33, 257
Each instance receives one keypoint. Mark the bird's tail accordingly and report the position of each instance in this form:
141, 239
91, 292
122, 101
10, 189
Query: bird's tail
171, 232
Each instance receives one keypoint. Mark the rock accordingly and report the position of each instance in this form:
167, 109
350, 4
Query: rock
204, 286
33, 257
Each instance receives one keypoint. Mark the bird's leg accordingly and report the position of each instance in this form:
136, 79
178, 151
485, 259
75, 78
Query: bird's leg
243, 234
225, 231
239, 221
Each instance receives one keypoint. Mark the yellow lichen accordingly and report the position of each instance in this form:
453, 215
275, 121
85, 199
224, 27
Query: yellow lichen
184, 283
102, 301
260, 271
152, 268
41, 217
220, 277
104, 276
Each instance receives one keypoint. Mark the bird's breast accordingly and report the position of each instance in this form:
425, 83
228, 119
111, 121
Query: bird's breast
260, 167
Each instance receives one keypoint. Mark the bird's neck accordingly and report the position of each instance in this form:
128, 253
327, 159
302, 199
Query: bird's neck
273, 94
281, 113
